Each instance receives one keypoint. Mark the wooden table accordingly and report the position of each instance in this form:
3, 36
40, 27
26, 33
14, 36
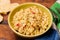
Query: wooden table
6, 33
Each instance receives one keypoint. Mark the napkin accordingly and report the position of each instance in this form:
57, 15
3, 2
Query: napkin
52, 34
55, 8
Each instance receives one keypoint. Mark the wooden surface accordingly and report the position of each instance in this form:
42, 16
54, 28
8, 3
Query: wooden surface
6, 33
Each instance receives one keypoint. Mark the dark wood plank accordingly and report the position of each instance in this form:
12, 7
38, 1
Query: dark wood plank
6, 33
46, 3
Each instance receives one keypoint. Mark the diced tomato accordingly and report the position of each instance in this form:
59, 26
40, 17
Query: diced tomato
33, 12
18, 24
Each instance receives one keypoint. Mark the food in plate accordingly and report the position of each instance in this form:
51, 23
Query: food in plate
31, 21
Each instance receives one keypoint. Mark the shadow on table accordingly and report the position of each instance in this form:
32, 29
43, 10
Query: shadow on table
21, 38
50, 34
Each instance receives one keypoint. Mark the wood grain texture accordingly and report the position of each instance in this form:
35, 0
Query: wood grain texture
46, 3
6, 33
